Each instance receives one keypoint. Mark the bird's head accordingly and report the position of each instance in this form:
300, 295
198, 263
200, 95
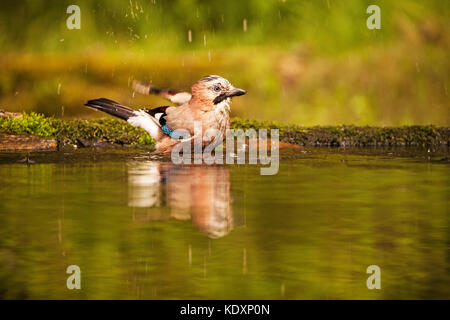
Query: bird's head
212, 90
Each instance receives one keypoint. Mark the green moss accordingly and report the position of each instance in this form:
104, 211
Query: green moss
33, 123
104, 130
78, 132
90, 132
348, 135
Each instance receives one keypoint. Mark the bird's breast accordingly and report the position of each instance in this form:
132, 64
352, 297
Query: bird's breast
222, 115
217, 119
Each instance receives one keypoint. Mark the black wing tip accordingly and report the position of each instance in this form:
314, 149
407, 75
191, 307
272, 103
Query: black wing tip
110, 107
101, 100
155, 90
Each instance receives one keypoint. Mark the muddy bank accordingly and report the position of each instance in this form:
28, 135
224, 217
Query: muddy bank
27, 142
109, 132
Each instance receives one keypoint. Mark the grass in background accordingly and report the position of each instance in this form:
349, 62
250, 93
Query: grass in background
302, 62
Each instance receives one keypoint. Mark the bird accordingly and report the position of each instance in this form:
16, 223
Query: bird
208, 103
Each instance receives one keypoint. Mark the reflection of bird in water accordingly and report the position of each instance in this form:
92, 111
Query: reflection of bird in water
209, 104
200, 193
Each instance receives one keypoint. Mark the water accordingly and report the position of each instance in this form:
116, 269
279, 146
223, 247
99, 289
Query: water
140, 227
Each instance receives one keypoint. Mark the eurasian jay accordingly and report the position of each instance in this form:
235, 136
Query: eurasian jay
209, 104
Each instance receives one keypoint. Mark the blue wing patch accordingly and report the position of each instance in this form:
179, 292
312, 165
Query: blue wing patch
173, 134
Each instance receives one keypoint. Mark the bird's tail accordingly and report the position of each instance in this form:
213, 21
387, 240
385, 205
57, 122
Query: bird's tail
137, 118
111, 107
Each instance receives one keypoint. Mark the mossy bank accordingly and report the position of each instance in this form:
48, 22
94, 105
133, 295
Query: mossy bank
108, 131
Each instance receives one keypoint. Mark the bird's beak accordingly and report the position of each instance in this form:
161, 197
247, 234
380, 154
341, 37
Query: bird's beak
236, 92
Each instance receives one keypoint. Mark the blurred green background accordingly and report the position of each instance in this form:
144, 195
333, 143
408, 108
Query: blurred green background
304, 62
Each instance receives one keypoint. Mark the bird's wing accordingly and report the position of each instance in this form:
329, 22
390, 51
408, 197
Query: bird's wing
159, 114
174, 96
181, 117
174, 117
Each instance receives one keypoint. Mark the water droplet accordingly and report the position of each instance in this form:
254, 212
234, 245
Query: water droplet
204, 267
244, 25
190, 255
59, 88
190, 36
244, 261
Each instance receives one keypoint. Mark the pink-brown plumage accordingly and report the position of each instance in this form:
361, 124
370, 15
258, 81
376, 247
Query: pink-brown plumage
207, 104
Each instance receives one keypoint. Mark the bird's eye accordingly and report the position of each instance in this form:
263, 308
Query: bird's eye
216, 88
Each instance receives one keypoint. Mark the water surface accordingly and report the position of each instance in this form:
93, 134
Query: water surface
141, 227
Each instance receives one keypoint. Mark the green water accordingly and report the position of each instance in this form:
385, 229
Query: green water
140, 227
